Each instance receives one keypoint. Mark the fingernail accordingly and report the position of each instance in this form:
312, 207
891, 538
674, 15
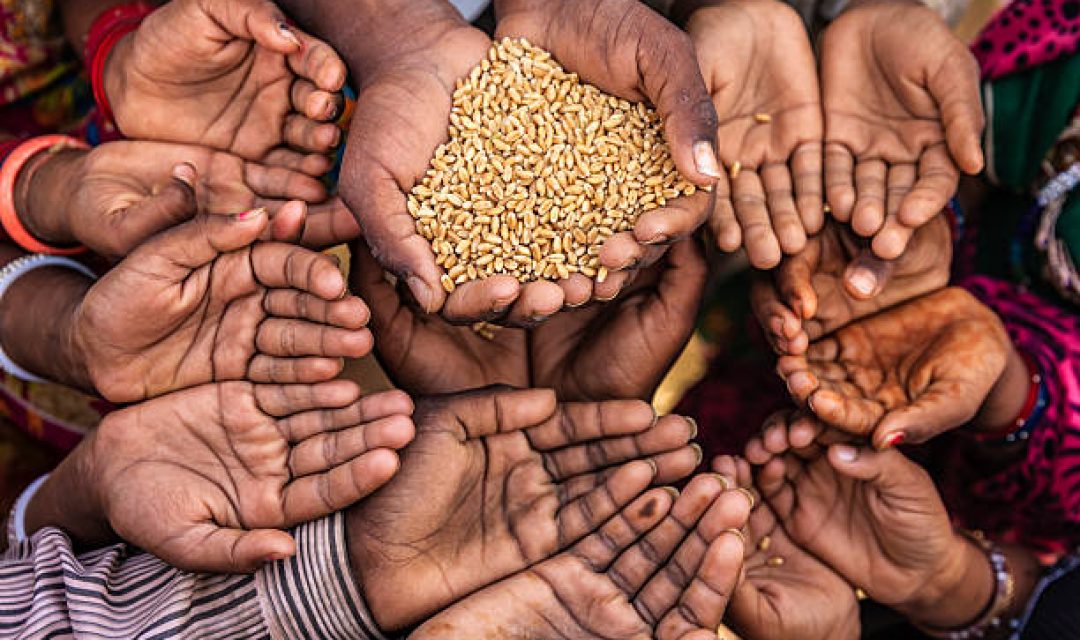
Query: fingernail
673, 492
892, 440
705, 159
422, 293
288, 34
660, 238
331, 111
250, 214
185, 172
749, 496
723, 480
652, 464
846, 453
693, 427
699, 455
863, 280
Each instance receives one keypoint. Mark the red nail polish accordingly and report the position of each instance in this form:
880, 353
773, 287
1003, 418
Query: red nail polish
893, 440
249, 214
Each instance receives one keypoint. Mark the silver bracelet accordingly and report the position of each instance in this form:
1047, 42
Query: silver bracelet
14, 270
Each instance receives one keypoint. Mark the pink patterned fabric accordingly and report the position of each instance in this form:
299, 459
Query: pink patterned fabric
1027, 33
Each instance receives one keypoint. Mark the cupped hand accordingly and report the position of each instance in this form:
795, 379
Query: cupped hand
759, 67
902, 116
628, 50
204, 302
499, 480
205, 478
661, 567
837, 280
907, 374
787, 592
226, 74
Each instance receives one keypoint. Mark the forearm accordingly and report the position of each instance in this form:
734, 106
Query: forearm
1007, 397
43, 190
368, 33
68, 501
77, 16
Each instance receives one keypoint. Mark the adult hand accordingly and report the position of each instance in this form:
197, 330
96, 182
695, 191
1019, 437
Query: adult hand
836, 280
759, 67
907, 374
205, 478
202, 302
660, 568
787, 592
901, 115
225, 74
628, 50
877, 520
497, 481
115, 196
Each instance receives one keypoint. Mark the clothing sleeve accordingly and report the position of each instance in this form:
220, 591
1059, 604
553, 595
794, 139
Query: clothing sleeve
46, 590
1052, 613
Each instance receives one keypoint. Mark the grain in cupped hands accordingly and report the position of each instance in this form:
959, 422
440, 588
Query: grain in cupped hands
539, 170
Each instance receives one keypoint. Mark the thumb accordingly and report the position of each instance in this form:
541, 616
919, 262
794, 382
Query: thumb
867, 275
198, 242
173, 204
258, 20
498, 410
289, 223
889, 471
955, 88
222, 550
935, 411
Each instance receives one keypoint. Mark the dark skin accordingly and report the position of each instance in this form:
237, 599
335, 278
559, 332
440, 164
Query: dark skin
801, 598
620, 349
902, 120
499, 480
906, 374
814, 292
206, 478
660, 568
757, 63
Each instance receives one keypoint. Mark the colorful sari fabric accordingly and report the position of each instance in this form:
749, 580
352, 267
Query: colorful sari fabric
1027, 34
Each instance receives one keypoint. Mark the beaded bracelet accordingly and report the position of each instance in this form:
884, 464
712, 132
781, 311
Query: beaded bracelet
105, 32
9, 175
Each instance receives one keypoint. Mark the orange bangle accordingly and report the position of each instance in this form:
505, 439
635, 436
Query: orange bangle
9, 174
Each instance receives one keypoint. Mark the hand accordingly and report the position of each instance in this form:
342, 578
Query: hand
205, 478
201, 303
801, 598
497, 481
624, 348
836, 280
905, 375
115, 196
758, 63
226, 74
660, 568
628, 50
877, 520
901, 114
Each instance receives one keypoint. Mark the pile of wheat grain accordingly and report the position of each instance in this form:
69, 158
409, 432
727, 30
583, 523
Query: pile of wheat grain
540, 168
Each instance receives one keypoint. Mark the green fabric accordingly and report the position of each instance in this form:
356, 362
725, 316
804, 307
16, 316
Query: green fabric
1030, 110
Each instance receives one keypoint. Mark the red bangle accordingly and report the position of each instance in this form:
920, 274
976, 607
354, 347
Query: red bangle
1026, 411
106, 30
9, 174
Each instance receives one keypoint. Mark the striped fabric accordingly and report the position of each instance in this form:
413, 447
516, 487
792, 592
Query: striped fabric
47, 591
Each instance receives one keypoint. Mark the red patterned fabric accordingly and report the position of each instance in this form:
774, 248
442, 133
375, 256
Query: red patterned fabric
1026, 34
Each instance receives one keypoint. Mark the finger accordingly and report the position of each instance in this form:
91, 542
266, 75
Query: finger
955, 88
679, 291
760, 241
310, 136
703, 602
889, 471
282, 183
806, 165
482, 299
839, 180
285, 266
577, 290
176, 252
803, 431
867, 275
287, 222
942, 407
611, 538
318, 495
369, 408
857, 416
677, 219
578, 518
348, 313
722, 220
869, 212
281, 400
771, 314
268, 369
577, 422
539, 300
329, 223
612, 285
675, 466
208, 548
324, 451
311, 164
786, 223
938, 179
795, 280
287, 338
258, 20
621, 251
172, 204
491, 411
318, 63
802, 385
316, 104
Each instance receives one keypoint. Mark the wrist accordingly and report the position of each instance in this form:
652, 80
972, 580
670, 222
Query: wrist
43, 191
70, 500
114, 77
1007, 397
957, 593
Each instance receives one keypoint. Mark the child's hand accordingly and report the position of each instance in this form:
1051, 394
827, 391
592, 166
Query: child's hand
836, 280
204, 302
902, 112
205, 478
904, 375
760, 69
